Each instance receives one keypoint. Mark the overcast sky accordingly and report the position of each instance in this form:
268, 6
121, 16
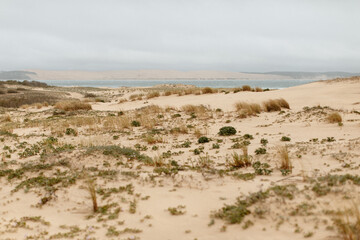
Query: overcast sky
242, 35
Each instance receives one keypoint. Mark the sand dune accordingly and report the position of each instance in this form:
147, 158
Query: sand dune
154, 179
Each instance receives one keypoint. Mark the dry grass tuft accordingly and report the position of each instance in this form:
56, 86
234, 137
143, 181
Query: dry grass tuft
247, 109
168, 93
90, 184
152, 139
275, 105
147, 121
283, 103
285, 162
152, 95
258, 89
5, 118
348, 224
271, 106
207, 90
151, 109
72, 105
246, 88
198, 109
334, 118
239, 161
198, 133
134, 97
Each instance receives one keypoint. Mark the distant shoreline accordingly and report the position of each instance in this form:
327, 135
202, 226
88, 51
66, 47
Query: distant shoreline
213, 83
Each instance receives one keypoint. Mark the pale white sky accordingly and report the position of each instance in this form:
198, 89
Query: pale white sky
246, 35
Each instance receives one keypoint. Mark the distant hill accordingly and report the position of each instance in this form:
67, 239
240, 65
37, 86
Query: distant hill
314, 75
16, 75
39, 75
144, 74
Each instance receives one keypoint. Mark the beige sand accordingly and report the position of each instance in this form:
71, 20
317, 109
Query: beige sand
199, 190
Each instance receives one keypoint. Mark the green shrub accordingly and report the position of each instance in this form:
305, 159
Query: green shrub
264, 141
227, 131
285, 139
260, 151
261, 168
215, 146
248, 136
71, 131
203, 139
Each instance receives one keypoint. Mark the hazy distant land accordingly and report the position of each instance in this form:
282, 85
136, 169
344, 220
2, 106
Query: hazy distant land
165, 74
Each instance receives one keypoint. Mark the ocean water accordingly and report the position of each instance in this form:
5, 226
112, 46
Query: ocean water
216, 83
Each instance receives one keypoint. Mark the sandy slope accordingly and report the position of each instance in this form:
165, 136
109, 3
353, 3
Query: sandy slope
201, 192
342, 95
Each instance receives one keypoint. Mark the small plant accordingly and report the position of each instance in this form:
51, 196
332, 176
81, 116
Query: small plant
176, 211
264, 142
203, 139
135, 123
248, 136
244, 176
261, 168
215, 146
239, 161
285, 139
71, 131
197, 151
91, 188
132, 206
227, 131
204, 161
260, 151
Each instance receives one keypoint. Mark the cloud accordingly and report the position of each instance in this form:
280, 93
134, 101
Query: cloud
250, 35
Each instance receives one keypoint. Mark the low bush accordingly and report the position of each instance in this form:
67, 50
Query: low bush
26, 83
285, 139
90, 95
236, 90
28, 97
135, 123
12, 91
260, 151
203, 139
227, 131
72, 105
